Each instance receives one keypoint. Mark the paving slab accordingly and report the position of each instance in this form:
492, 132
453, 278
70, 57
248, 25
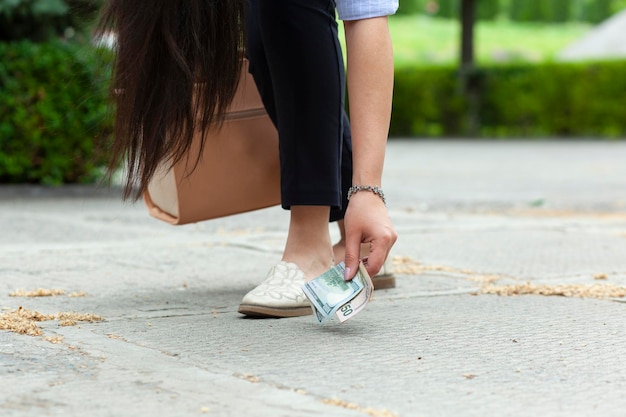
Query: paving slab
469, 214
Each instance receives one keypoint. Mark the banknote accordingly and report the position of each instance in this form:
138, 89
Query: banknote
330, 294
355, 305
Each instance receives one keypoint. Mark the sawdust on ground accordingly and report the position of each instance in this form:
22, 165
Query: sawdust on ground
539, 212
351, 406
25, 321
563, 290
77, 294
44, 292
405, 265
39, 292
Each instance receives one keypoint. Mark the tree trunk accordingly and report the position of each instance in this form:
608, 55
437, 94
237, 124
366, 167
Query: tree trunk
469, 83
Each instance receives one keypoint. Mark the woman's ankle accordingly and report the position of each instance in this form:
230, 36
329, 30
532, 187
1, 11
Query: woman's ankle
308, 242
339, 251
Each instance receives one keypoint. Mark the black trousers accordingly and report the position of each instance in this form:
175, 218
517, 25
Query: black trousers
296, 61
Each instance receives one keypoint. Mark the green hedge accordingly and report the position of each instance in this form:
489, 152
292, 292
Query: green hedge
53, 113
529, 100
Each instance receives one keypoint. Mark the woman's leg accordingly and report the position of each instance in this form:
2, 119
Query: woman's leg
306, 67
296, 60
259, 68
304, 63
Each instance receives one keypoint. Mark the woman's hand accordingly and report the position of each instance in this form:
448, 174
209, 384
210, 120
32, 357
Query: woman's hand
367, 221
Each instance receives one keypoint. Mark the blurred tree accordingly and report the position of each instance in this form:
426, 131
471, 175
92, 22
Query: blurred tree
517, 9
526, 11
30, 19
449, 9
558, 11
595, 11
39, 20
412, 7
488, 9
618, 6
550, 11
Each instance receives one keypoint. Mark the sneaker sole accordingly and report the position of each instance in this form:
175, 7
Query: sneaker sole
264, 311
384, 281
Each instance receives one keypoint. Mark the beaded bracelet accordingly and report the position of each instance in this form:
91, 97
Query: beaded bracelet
375, 189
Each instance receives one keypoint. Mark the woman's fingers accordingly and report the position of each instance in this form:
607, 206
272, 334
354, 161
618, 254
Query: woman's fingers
367, 221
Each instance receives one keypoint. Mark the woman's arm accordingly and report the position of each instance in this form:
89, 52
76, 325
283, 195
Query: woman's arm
370, 90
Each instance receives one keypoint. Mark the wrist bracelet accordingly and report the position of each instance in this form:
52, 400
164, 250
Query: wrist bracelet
372, 188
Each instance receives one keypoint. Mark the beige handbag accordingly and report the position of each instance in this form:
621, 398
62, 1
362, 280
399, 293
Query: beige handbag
238, 170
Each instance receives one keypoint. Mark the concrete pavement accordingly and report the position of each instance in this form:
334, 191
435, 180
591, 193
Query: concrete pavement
473, 218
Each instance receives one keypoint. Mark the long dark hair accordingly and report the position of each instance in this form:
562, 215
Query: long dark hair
175, 71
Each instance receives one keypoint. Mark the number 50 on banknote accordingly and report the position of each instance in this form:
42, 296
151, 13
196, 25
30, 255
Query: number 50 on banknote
330, 294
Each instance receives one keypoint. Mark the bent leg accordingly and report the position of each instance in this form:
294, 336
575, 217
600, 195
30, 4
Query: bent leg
306, 67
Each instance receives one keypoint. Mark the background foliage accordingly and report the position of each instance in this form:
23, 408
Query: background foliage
39, 20
54, 114
521, 100
592, 11
54, 119
419, 40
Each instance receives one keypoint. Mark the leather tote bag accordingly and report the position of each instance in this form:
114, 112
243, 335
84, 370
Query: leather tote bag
238, 170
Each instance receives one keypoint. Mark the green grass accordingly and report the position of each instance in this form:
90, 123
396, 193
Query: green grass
422, 40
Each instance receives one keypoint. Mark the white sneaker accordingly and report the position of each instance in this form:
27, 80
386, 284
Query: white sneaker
280, 295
